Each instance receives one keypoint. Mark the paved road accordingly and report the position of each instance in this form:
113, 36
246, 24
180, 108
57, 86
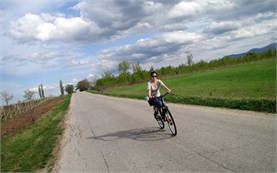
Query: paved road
107, 134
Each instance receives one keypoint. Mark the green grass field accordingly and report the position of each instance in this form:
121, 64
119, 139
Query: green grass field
252, 83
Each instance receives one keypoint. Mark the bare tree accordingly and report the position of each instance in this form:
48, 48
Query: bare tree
61, 88
151, 69
107, 74
41, 91
123, 67
189, 58
28, 94
136, 68
6, 97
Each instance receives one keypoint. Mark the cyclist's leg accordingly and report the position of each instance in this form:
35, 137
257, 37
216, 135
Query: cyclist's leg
156, 106
156, 112
159, 105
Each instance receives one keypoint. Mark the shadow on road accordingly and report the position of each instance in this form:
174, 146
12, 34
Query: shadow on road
142, 134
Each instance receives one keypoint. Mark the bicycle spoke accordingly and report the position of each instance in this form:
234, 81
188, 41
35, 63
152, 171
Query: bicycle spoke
160, 121
171, 123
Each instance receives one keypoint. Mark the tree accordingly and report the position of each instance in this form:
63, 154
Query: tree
6, 97
107, 74
69, 89
28, 94
41, 91
189, 58
61, 88
151, 69
123, 67
136, 68
83, 85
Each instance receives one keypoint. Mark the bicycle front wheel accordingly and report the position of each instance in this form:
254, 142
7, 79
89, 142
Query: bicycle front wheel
171, 123
160, 121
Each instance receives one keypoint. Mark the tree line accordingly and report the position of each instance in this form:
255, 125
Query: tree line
109, 80
29, 94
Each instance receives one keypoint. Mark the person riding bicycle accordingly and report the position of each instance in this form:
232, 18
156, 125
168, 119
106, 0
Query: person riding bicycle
153, 89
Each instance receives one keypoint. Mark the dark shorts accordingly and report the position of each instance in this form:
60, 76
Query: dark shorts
156, 102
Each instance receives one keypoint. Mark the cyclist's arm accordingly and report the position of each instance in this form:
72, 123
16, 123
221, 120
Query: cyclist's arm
164, 86
149, 90
149, 94
167, 89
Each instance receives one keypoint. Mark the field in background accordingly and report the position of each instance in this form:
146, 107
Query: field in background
250, 86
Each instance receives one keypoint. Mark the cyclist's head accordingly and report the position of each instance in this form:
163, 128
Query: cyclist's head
153, 74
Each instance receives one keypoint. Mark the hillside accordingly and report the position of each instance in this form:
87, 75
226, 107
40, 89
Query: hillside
248, 86
111, 81
255, 50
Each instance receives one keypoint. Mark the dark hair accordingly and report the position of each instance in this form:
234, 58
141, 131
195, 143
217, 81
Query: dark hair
151, 74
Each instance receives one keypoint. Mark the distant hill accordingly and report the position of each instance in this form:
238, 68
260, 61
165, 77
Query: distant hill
257, 50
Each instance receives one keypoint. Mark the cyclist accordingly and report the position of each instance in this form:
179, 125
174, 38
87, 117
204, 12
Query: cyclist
153, 88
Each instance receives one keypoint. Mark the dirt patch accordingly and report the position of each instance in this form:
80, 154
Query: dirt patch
21, 122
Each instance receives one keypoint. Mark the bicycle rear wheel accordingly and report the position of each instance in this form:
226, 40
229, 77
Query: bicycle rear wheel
171, 123
160, 121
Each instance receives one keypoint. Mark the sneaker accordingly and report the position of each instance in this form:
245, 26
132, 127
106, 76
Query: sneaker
163, 117
168, 119
156, 115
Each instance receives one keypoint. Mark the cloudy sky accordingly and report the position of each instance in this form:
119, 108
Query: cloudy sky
44, 41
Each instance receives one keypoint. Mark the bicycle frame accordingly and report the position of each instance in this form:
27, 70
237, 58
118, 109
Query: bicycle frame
164, 107
166, 116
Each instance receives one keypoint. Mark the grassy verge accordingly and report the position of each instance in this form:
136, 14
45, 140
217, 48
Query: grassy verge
249, 86
31, 149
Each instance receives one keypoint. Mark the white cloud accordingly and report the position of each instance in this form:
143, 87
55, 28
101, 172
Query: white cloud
45, 87
252, 29
158, 51
73, 28
33, 26
185, 9
181, 37
26, 27
222, 27
80, 62
215, 6
110, 20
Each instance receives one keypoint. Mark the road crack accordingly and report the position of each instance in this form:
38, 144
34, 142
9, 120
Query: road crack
193, 152
103, 156
218, 164
105, 161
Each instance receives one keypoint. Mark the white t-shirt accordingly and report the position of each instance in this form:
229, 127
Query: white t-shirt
155, 88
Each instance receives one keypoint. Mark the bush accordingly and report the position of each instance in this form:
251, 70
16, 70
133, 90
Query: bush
69, 89
261, 105
83, 85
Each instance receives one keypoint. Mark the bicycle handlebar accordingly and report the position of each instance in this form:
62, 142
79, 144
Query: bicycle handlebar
165, 94
146, 98
162, 95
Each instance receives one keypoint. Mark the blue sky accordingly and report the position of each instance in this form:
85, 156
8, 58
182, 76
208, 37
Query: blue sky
70, 40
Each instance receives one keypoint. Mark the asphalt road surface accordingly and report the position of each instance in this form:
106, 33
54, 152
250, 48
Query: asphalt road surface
108, 134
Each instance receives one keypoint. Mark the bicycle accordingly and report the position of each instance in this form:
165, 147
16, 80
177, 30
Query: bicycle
166, 116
